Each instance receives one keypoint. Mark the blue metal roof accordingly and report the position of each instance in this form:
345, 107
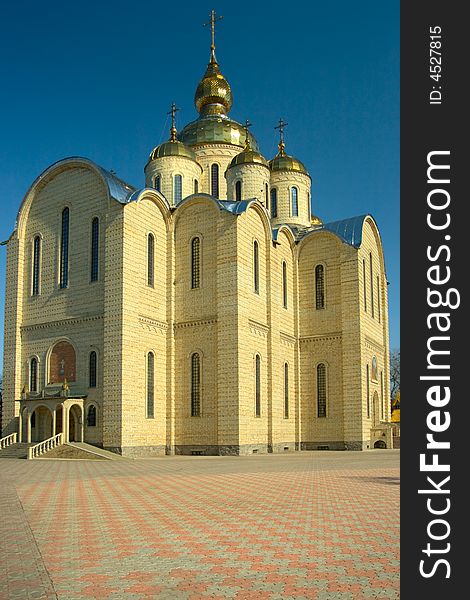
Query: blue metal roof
118, 189
348, 230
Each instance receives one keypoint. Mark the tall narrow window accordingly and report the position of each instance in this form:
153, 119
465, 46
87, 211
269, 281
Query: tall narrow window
286, 391
295, 201
195, 263
238, 190
368, 391
150, 260
95, 242
319, 287
258, 386
364, 282
284, 284
177, 189
196, 186
36, 264
33, 375
378, 298
256, 267
91, 416
215, 180
64, 249
92, 370
158, 183
195, 385
150, 385
266, 195
321, 390
382, 407
274, 203
371, 287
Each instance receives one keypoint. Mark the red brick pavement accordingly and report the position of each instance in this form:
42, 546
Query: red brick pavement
307, 526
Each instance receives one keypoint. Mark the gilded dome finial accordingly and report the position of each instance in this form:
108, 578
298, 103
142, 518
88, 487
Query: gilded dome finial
212, 24
281, 145
213, 94
172, 112
247, 137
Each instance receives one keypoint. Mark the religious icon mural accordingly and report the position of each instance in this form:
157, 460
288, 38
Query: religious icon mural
62, 363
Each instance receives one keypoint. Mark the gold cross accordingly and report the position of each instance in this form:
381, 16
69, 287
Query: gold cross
212, 24
281, 126
172, 112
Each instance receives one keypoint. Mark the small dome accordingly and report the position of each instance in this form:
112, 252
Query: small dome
248, 156
213, 94
172, 148
287, 163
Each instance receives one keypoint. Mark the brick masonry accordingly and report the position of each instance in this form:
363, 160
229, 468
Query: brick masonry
225, 320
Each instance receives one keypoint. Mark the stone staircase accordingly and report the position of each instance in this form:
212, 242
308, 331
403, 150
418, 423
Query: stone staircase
18, 450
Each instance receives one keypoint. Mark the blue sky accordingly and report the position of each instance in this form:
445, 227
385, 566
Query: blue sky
96, 79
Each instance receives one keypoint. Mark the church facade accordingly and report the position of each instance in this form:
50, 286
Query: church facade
208, 313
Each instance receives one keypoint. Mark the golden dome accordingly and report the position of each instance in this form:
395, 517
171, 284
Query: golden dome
284, 162
213, 94
172, 148
215, 129
248, 156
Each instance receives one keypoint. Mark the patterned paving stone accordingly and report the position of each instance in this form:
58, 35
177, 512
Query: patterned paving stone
311, 525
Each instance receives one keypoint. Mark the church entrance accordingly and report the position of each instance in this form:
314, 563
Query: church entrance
380, 444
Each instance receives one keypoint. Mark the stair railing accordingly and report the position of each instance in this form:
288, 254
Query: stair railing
8, 440
39, 449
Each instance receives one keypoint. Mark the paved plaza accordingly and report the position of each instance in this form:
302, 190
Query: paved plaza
309, 525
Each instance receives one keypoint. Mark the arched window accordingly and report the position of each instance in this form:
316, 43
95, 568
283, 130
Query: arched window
266, 195
321, 390
286, 391
378, 298
195, 263
95, 242
238, 190
64, 249
196, 186
258, 386
91, 416
33, 375
371, 286
319, 287
382, 407
368, 391
150, 385
158, 183
150, 260
36, 265
295, 201
215, 180
274, 203
364, 282
256, 267
195, 385
177, 188
92, 364
284, 284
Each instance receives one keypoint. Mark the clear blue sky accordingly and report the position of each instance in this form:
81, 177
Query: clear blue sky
96, 79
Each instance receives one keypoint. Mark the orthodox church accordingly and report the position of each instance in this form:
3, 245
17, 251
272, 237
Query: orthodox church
209, 312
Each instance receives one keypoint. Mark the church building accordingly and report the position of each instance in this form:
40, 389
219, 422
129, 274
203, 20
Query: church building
208, 312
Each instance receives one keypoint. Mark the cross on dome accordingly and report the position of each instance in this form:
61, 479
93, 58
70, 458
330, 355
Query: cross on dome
212, 24
174, 109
